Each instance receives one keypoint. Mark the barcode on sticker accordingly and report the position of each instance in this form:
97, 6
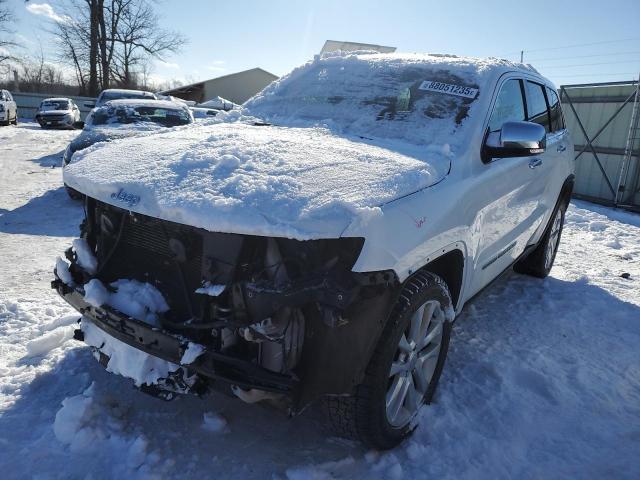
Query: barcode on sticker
459, 90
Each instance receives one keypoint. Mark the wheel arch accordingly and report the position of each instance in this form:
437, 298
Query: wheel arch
450, 267
567, 189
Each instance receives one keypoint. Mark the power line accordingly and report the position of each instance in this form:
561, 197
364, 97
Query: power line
582, 56
587, 64
594, 74
576, 45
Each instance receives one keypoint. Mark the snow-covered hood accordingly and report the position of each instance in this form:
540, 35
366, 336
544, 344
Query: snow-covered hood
92, 135
235, 177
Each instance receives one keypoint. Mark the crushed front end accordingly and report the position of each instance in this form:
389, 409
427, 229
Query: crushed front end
271, 317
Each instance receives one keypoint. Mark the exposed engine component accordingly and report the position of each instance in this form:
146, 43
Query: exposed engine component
280, 336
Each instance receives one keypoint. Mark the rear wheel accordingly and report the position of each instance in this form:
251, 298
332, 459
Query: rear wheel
539, 262
404, 370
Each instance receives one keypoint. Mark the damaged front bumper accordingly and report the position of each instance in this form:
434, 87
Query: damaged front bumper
170, 347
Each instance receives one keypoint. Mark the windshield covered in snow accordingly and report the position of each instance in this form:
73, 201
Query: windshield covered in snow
361, 95
48, 105
121, 114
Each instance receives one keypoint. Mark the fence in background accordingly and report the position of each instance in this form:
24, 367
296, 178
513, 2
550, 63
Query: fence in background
28, 103
604, 119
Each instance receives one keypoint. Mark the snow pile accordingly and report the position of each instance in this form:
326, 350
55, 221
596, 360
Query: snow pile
138, 300
295, 182
214, 422
79, 425
193, 351
126, 360
47, 342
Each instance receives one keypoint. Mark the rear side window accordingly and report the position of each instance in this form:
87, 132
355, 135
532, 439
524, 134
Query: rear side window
509, 106
555, 111
537, 105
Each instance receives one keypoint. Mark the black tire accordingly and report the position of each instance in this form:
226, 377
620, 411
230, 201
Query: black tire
535, 264
363, 416
73, 194
15, 119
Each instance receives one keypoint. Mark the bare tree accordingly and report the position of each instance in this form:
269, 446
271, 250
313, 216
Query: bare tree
6, 17
73, 38
40, 76
139, 38
112, 41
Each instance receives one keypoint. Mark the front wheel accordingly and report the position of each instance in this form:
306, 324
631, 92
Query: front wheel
404, 370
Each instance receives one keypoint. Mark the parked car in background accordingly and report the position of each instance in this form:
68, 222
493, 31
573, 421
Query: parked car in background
219, 103
8, 108
125, 118
323, 251
58, 113
200, 113
120, 94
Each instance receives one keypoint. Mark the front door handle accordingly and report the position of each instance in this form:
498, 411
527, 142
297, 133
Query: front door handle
561, 148
535, 162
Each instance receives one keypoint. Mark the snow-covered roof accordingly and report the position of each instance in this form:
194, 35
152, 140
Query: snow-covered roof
127, 91
57, 99
143, 102
383, 95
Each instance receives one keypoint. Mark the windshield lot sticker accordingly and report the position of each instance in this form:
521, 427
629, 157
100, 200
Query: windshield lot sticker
125, 197
448, 88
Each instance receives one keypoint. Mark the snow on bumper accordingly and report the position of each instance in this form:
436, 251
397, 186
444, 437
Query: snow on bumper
164, 346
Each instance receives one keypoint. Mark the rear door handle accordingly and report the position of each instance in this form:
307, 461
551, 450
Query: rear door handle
535, 162
561, 148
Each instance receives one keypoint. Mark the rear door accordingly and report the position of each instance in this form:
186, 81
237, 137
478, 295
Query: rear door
558, 142
544, 108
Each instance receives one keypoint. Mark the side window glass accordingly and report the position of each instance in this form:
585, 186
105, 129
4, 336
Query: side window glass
537, 105
554, 110
508, 107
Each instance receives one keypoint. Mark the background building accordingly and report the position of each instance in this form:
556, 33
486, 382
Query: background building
335, 45
236, 87
604, 121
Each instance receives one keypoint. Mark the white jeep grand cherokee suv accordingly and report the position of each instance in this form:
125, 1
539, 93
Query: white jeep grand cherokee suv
318, 243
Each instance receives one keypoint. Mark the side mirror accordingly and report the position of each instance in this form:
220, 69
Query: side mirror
90, 104
78, 125
515, 139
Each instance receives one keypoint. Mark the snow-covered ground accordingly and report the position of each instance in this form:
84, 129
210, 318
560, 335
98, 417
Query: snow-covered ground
542, 379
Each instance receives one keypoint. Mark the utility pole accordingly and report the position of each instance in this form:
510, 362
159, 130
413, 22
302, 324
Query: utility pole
521, 56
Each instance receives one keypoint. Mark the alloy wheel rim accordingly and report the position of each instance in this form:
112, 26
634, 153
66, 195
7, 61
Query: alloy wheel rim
414, 364
554, 239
